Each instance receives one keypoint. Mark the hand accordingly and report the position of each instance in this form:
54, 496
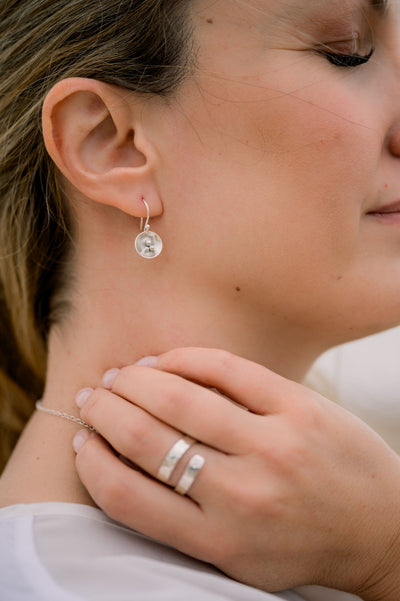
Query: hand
293, 491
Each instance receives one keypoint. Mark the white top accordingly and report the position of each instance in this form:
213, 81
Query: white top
364, 377
68, 552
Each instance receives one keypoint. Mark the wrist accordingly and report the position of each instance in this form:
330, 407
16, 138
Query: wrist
384, 582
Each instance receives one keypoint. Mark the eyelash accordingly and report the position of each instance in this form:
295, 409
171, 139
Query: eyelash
348, 60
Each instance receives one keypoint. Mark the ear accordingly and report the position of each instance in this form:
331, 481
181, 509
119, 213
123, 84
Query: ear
95, 134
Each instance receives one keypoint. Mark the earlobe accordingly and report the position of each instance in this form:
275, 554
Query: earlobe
95, 136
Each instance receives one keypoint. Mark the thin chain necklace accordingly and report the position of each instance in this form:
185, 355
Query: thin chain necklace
71, 418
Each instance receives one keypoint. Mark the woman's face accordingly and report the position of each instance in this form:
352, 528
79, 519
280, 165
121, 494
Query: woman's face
283, 149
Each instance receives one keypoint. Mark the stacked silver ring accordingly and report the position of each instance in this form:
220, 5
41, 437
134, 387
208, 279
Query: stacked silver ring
190, 474
171, 459
173, 456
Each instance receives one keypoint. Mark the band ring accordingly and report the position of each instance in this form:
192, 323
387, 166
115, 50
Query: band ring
190, 474
176, 453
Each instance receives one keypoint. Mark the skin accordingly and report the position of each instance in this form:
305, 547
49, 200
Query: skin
295, 490
262, 195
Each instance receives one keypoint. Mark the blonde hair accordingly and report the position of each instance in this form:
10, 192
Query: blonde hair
141, 45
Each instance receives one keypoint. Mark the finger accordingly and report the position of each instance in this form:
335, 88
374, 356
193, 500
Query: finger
141, 503
131, 431
249, 384
188, 407
137, 435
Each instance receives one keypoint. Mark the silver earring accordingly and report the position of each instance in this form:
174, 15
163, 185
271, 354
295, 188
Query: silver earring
148, 244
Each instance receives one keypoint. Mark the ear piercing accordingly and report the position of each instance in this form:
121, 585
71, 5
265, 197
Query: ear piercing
148, 244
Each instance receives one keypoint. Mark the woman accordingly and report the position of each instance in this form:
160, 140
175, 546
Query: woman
261, 142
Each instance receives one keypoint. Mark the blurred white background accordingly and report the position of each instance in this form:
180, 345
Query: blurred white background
364, 377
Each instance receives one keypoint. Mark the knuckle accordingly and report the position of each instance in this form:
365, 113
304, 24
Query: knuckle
287, 457
261, 504
134, 435
175, 399
225, 360
249, 502
300, 412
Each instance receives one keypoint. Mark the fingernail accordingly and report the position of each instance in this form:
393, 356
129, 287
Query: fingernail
109, 377
83, 396
79, 440
149, 361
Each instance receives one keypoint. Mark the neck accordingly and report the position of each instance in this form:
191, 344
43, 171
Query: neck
106, 334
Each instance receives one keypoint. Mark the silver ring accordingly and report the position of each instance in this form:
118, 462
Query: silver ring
190, 474
176, 453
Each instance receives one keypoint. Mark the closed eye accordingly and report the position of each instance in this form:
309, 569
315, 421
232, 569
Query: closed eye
347, 60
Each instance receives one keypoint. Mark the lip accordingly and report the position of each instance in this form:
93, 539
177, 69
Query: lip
389, 213
389, 209
386, 218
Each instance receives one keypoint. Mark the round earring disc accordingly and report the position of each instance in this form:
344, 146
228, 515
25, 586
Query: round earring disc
148, 245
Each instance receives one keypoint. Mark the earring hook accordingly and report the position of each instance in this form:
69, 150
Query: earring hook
146, 227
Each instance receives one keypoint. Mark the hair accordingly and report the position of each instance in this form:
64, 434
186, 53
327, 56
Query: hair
140, 45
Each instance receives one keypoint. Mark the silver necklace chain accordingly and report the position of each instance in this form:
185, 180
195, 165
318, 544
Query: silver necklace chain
71, 418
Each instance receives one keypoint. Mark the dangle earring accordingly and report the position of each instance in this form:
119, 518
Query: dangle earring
148, 244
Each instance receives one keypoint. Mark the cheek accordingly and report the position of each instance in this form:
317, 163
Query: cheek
295, 165
277, 179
